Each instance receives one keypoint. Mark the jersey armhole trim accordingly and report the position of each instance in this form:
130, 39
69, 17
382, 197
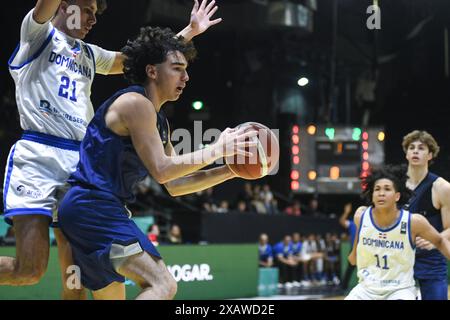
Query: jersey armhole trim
409, 232
37, 54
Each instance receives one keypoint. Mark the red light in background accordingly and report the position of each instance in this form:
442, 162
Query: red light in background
365, 155
295, 175
295, 185
296, 159
295, 129
295, 139
365, 135
365, 166
295, 150
365, 145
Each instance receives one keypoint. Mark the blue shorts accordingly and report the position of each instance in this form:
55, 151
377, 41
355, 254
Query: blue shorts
433, 289
98, 228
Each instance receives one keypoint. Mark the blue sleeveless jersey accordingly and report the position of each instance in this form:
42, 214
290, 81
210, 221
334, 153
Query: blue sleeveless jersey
430, 264
109, 162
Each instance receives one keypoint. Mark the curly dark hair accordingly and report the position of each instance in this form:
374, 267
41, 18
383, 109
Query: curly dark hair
396, 174
151, 47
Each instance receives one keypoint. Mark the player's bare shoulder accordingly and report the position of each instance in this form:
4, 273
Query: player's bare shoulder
441, 189
358, 214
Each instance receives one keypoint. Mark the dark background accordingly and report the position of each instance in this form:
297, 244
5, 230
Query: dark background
247, 70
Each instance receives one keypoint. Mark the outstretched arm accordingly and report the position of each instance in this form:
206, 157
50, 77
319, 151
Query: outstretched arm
422, 228
200, 22
343, 218
45, 10
200, 19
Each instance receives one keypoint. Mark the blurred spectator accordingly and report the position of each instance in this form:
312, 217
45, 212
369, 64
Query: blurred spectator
267, 198
223, 207
265, 251
257, 203
294, 209
246, 195
153, 234
241, 206
206, 200
310, 255
332, 258
296, 250
347, 223
285, 261
175, 235
313, 209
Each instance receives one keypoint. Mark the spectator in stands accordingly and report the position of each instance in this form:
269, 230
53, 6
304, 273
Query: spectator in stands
313, 209
346, 221
267, 198
332, 258
241, 207
153, 234
175, 235
224, 207
265, 251
246, 195
257, 203
294, 209
207, 201
320, 275
296, 251
310, 254
285, 261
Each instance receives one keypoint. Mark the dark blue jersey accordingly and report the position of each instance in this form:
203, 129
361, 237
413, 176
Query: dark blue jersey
109, 162
430, 264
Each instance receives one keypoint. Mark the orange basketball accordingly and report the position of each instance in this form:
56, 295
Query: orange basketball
265, 155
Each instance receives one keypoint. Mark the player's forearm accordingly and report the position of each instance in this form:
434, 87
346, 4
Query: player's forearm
446, 234
45, 10
198, 181
176, 167
443, 245
187, 33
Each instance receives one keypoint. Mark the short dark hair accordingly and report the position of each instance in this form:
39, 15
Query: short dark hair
151, 47
396, 174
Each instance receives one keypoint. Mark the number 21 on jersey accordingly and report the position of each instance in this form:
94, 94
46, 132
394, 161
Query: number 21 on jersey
64, 89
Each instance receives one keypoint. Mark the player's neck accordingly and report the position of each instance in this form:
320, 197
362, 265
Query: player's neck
60, 24
386, 217
152, 95
415, 175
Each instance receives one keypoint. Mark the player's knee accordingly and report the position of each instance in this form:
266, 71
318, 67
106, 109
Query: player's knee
171, 288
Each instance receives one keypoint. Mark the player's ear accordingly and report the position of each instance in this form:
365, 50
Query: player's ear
151, 72
397, 196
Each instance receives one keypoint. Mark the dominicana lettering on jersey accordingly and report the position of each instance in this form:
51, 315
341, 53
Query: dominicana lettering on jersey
380, 243
70, 64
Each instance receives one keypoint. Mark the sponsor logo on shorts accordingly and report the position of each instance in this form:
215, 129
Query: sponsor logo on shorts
23, 191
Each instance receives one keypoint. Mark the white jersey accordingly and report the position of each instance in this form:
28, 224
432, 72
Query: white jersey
385, 257
53, 74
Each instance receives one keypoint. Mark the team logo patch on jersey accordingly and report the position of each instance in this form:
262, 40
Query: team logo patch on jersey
76, 49
382, 235
403, 228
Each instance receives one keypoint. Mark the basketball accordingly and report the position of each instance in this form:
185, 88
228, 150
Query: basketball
265, 155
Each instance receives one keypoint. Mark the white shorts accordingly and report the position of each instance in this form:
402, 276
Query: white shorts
361, 293
36, 172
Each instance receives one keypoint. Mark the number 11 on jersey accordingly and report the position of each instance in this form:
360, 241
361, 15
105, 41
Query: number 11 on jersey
385, 266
